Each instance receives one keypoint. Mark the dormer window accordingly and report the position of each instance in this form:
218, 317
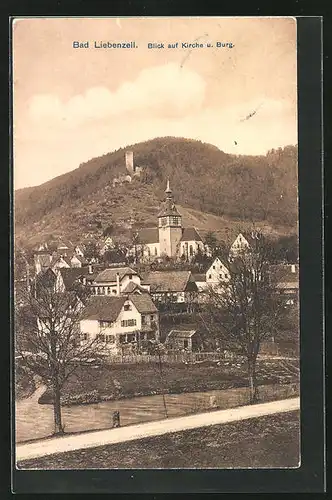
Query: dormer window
130, 276
127, 307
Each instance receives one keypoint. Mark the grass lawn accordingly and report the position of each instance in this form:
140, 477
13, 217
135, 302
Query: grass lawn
266, 442
129, 380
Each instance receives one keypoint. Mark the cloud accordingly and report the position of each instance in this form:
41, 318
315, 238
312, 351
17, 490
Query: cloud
166, 90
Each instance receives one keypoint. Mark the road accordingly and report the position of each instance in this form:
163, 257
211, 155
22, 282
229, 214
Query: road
93, 439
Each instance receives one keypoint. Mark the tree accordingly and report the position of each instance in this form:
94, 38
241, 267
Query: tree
91, 250
211, 242
244, 311
48, 340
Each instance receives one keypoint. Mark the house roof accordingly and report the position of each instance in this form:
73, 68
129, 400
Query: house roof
168, 281
183, 334
143, 303
78, 257
46, 277
199, 277
44, 259
148, 235
190, 234
109, 274
131, 287
103, 307
70, 275
56, 257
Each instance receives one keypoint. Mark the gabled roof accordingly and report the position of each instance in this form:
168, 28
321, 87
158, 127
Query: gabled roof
190, 234
169, 281
56, 257
78, 257
131, 287
143, 303
109, 274
199, 277
70, 275
43, 259
103, 307
183, 334
148, 235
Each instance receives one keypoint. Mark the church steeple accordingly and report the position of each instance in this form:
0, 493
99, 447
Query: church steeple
169, 225
168, 191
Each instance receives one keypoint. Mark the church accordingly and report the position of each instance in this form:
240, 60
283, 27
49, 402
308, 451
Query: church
169, 238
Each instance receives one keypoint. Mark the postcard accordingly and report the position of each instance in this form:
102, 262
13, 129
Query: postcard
156, 252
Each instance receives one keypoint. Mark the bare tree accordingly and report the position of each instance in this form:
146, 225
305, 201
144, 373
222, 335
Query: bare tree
48, 340
243, 312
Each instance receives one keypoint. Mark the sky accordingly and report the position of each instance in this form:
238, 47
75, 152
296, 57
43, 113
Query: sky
73, 104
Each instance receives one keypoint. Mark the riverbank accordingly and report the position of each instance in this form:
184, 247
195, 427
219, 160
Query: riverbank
139, 410
94, 384
270, 441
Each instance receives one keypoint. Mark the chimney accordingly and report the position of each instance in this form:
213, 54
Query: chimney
293, 268
90, 269
130, 162
117, 284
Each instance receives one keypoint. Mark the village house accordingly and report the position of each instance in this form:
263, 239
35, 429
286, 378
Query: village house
217, 273
42, 260
114, 281
244, 241
171, 286
169, 238
287, 277
182, 340
119, 321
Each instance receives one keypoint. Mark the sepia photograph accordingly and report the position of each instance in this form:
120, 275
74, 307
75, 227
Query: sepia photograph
156, 250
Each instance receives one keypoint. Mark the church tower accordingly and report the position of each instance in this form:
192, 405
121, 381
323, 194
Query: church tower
169, 226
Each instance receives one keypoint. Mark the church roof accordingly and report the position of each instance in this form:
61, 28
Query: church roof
148, 235
190, 234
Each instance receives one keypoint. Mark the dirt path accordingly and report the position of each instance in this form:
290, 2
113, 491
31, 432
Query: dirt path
132, 432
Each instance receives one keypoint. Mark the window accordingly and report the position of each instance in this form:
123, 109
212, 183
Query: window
131, 337
213, 267
151, 317
105, 324
221, 275
191, 250
210, 276
127, 307
100, 336
108, 290
155, 251
175, 220
163, 221
144, 320
185, 344
128, 322
84, 336
110, 339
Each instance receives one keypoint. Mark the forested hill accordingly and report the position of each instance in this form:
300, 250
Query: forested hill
252, 188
